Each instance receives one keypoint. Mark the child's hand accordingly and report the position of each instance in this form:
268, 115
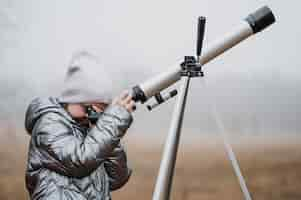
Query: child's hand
125, 100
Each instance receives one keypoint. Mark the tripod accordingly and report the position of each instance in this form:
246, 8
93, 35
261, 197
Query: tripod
191, 68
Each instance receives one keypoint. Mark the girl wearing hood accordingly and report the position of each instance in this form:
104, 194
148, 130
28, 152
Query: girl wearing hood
75, 151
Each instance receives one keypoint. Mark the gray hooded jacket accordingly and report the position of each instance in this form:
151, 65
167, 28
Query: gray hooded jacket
66, 161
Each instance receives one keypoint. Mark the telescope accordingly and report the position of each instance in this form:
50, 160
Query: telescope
253, 23
192, 67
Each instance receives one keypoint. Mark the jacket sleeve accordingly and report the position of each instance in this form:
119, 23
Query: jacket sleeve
71, 156
117, 168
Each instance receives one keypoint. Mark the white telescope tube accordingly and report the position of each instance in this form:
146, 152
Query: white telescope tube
254, 23
167, 78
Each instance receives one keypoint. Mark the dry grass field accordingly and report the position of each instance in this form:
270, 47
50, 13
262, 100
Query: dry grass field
272, 168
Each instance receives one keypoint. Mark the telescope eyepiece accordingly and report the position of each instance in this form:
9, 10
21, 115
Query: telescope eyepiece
138, 94
260, 19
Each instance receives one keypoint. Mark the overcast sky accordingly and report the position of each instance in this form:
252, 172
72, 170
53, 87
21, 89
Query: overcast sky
255, 85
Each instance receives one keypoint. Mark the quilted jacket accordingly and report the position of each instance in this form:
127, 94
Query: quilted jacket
67, 161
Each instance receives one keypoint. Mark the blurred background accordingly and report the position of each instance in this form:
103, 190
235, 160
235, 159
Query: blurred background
255, 86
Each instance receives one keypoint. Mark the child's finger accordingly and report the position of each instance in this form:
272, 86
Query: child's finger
128, 99
124, 95
131, 106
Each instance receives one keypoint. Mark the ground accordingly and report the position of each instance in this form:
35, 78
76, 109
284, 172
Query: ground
270, 165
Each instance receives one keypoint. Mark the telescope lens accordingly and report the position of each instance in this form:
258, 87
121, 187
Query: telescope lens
261, 19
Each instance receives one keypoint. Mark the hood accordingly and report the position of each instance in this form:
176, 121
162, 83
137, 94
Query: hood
87, 80
39, 107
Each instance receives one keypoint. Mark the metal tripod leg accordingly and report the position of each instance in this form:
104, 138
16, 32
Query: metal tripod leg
165, 176
228, 147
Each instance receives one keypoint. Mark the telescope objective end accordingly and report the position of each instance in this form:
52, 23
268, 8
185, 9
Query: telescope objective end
261, 19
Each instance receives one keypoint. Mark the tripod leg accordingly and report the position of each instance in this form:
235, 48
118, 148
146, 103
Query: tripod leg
228, 147
165, 176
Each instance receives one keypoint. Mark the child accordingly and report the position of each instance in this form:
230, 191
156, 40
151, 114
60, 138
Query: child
72, 154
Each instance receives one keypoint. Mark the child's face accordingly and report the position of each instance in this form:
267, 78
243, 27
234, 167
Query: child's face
79, 113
